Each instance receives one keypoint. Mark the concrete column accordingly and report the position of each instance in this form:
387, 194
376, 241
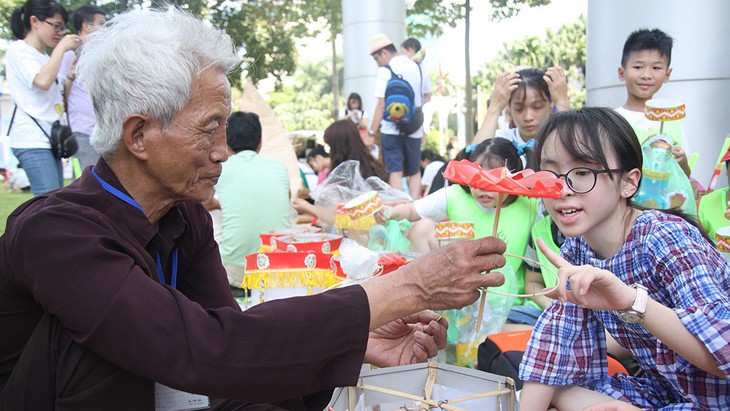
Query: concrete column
361, 20
701, 73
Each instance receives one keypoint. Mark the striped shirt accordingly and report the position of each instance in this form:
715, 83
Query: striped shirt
682, 271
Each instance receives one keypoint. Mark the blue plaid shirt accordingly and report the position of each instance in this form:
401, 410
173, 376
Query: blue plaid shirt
682, 271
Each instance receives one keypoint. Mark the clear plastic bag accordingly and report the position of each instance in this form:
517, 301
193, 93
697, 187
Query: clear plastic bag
343, 184
462, 338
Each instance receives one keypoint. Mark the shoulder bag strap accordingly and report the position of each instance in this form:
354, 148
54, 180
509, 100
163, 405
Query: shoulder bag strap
39, 126
420, 72
12, 118
34, 120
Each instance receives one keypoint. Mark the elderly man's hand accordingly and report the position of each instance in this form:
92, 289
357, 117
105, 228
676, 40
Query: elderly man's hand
450, 276
409, 340
446, 278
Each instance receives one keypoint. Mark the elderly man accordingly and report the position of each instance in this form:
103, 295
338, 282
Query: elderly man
112, 291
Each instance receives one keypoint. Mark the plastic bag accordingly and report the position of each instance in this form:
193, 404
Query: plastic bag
357, 262
664, 184
345, 183
342, 185
462, 339
390, 237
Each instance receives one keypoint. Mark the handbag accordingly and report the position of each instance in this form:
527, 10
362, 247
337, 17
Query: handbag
63, 142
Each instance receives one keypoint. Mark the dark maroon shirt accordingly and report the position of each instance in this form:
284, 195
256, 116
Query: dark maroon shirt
86, 257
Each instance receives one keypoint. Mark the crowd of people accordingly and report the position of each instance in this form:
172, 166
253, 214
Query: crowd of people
114, 293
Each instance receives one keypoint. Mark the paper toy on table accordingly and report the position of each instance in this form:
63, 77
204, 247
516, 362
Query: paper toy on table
275, 275
426, 386
540, 184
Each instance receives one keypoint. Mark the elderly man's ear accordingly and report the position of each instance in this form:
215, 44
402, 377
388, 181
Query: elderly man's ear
133, 135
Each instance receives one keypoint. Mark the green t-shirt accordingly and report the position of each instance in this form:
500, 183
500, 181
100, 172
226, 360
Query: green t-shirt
254, 195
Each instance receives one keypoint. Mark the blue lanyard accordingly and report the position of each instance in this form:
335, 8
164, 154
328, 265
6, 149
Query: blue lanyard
129, 200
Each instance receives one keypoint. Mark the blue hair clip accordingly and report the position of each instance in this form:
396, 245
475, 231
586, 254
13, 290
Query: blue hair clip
470, 148
522, 146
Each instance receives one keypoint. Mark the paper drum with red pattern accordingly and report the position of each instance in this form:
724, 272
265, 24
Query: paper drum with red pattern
363, 205
722, 238
314, 242
662, 109
451, 230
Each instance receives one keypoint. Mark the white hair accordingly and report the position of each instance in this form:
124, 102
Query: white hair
144, 62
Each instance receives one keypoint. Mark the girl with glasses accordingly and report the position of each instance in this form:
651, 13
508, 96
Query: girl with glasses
33, 82
651, 279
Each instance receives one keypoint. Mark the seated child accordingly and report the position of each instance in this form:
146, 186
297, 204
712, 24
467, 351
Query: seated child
466, 204
319, 159
651, 279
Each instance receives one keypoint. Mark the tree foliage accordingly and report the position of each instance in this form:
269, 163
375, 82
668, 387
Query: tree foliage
266, 29
504, 9
306, 102
432, 16
565, 47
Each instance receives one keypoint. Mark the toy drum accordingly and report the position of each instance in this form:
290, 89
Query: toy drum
272, 276
312, 242
722, 238
266, 238
727, 211
452, 230
363, 205
661, 109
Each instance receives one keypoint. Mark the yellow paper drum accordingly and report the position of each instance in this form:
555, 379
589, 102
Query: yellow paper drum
452, 230
364, 205
722, 238
661, 109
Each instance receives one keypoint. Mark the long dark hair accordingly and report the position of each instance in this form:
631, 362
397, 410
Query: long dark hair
345, 143
42, 9
590, 135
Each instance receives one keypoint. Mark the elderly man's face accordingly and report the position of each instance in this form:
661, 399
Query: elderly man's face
187, 154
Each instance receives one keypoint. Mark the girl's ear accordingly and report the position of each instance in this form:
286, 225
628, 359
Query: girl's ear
630, 183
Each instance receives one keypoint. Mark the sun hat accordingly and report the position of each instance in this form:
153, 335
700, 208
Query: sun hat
379, 41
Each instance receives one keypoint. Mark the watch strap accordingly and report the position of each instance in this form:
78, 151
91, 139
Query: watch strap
642, 298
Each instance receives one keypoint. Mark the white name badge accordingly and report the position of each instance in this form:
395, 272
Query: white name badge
170, 399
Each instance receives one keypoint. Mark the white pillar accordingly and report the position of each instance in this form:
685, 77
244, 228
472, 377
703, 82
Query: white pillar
361, 20
700, 76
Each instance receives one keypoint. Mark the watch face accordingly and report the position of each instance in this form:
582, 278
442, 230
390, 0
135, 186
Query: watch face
632, 317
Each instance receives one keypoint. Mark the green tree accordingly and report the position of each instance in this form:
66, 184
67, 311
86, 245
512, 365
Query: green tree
430, 16
266, 29
326, 16
565, 47
304, 104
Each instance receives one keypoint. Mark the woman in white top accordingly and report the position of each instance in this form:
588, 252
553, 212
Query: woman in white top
34, 85
355, 112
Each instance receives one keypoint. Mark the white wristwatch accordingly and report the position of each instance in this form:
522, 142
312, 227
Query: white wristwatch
635, 314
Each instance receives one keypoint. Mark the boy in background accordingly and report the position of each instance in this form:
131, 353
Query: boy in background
645, 67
